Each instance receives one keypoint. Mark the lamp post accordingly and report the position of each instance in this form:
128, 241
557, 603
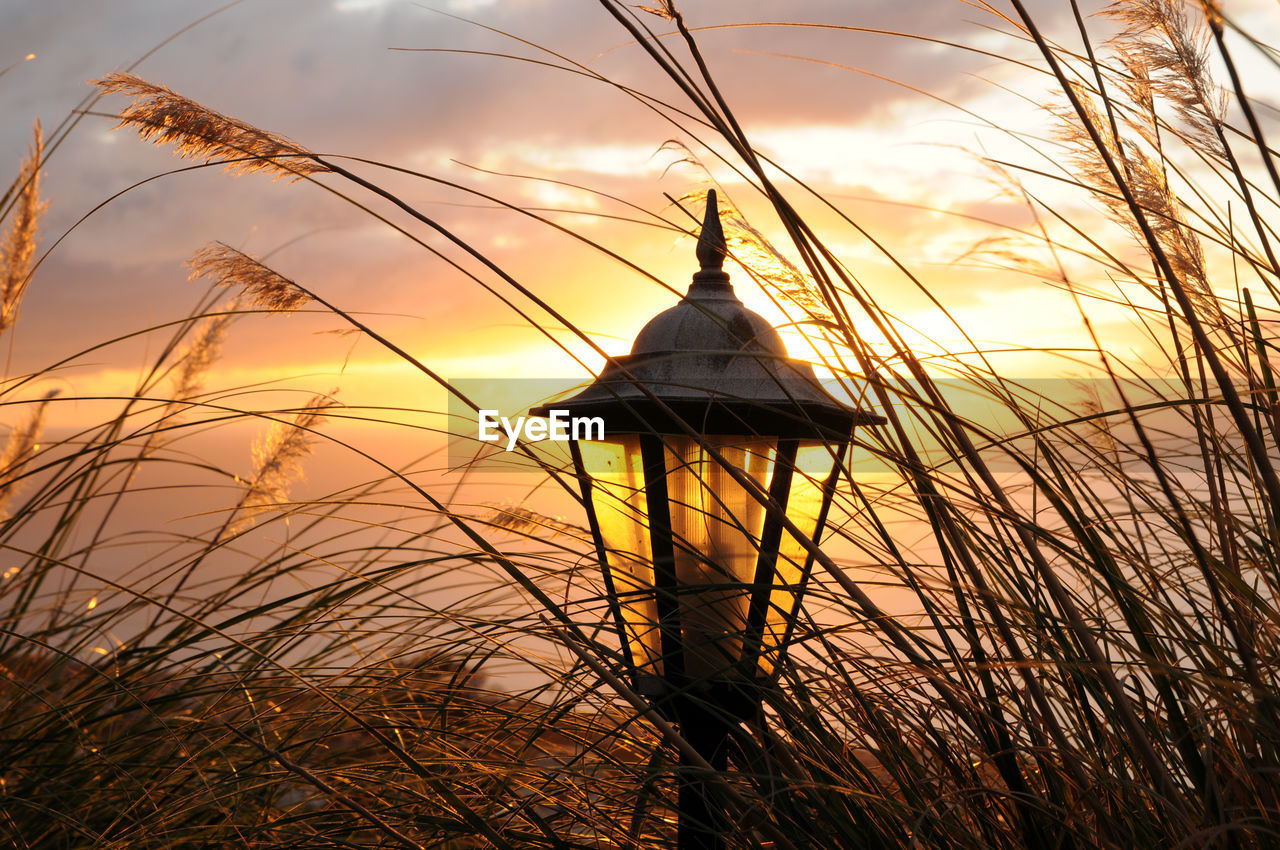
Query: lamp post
711, 435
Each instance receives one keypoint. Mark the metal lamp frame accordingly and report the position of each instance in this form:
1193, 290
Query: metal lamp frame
710, 366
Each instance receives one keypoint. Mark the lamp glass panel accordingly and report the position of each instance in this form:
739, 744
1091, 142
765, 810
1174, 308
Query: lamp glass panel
621, 509
814, 462
716, 525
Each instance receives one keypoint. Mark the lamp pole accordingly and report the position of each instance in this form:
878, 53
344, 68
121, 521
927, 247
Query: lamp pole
702, 823
702, 582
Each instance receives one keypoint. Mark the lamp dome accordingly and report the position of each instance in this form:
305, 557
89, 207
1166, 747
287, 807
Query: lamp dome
711, 364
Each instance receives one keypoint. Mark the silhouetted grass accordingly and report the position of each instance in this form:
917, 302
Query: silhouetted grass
1094, 661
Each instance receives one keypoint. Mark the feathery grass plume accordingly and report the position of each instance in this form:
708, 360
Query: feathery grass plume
666, 11
163, 116
18, 247
261, 285
278, 456
1174, 56
21, 446
192, 369
206, 345
1136, 85
1148, 183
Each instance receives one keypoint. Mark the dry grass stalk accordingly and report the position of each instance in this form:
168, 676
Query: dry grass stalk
163, 116
261, 285
278, 455
22, 445
18, 248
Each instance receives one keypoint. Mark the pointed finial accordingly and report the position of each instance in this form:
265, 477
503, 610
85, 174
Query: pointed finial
711, 245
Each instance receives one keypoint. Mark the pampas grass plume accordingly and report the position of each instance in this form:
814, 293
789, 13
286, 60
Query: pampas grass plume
278, 455
18, 247
163, 116
261, 285
18, 450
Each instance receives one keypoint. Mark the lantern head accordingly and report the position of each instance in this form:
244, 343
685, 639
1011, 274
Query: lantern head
711, 435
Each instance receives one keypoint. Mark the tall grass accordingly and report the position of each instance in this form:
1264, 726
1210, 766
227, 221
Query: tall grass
1093, 661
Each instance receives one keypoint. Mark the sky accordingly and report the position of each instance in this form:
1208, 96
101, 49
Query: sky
890, 124
895, 126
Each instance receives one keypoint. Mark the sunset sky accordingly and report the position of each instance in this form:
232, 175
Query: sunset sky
876, 136
893, 128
